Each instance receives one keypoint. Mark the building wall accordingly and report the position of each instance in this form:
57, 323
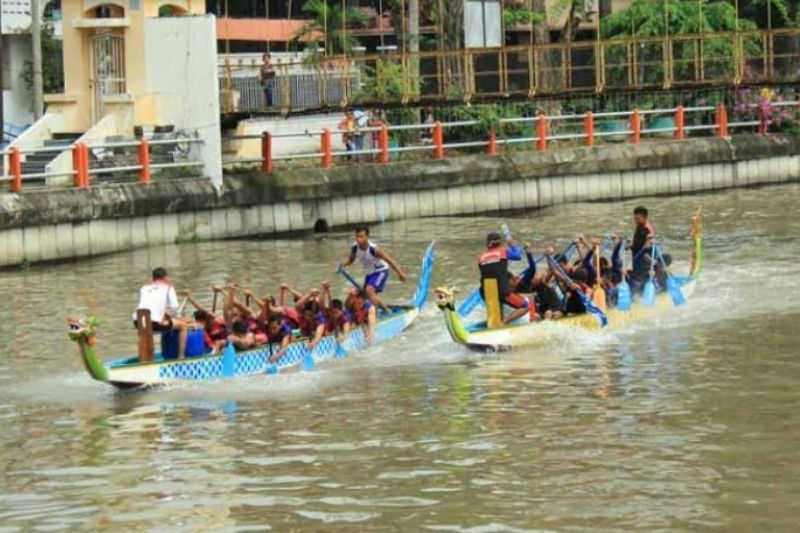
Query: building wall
17, 100
181, 83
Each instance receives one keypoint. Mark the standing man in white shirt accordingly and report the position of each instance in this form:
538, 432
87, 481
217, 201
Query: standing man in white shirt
160, 299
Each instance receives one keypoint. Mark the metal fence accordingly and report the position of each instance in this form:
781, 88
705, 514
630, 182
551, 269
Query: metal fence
527, 71
93, 163
540, 132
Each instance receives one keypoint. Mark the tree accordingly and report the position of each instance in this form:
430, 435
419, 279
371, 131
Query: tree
644, 18
328, 19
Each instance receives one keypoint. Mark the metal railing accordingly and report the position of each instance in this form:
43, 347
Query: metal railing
633, 126
137, 159
522, 71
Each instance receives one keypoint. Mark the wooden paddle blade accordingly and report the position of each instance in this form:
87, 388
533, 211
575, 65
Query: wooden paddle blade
599, 298
491, 295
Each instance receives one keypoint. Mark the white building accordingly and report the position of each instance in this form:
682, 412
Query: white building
17, 98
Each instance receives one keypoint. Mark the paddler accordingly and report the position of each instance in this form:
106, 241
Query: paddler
215, 328
493, 264
159, 297
376, 262
643, 235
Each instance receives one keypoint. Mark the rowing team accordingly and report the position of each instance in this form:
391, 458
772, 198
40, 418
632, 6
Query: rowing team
313, 314
570, 285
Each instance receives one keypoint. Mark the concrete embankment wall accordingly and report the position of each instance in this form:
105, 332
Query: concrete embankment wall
69, 223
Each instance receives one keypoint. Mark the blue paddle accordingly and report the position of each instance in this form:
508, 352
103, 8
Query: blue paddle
308, 359
623, 289
649, 294
673, 285
590, 307
340, 270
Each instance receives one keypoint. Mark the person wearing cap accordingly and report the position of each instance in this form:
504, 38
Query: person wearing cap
493, 264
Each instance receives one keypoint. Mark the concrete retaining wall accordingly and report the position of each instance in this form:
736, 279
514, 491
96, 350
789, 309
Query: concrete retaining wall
69, 223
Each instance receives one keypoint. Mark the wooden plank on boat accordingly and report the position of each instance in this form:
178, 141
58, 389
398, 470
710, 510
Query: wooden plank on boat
494, 313
144, 326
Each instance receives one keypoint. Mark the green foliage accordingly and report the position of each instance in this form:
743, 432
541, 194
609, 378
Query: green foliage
644, 18
384, 81
330, 20
524, 17
52, 63
25, 264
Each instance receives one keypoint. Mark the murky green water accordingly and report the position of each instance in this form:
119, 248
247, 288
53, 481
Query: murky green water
687, 421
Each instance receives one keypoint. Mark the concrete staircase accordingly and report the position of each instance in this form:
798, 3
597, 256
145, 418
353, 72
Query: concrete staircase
36, 162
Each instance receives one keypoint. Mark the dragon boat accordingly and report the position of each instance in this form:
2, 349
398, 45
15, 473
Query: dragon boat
480, 336
130, 372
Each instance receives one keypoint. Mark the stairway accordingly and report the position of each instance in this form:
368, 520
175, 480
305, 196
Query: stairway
35, 162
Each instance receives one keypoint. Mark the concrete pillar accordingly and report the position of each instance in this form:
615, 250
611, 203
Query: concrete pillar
504, 193
369, 211
266, 214
80, 238
103, 236
218, 224
203, 223
282, 216
170, 224
12, 246
251, 220
545, 191
532, 193
296, 220
426, 203
124, 233
339, 213
65, 248
31, 243
354, 214
467, 194
397, 205
441, 204
411, 202
453, 201
517, 191
570, 189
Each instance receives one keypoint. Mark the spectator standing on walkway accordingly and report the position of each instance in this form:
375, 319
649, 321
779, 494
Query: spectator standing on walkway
268, 79
427, 119
349, 127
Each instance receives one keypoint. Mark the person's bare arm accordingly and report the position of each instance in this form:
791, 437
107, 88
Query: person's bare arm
383, 254
318, 333
350, 259
186, 293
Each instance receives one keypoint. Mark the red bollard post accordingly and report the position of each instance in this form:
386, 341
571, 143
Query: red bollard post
541, 132
327, 158
266, 152
15, 168
679, 123
80, 164
144, 161
636, 127
722, 121
491, 148
588, 128
438, 141
383, 144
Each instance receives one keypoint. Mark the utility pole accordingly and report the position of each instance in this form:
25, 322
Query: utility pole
36, 41
2, 92
413, 44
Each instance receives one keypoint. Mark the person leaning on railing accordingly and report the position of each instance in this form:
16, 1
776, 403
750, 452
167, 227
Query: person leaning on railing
268, 79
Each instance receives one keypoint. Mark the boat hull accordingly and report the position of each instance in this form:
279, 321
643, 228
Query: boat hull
534, 333
122, 374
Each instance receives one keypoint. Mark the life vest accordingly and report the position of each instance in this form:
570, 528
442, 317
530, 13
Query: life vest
217, 330
334, 325
359, 310
493, 264
291, 317
309, 327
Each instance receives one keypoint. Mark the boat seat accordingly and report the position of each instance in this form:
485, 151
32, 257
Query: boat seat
144, 328
491, 296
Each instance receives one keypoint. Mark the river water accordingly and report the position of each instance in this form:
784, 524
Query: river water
690, 420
